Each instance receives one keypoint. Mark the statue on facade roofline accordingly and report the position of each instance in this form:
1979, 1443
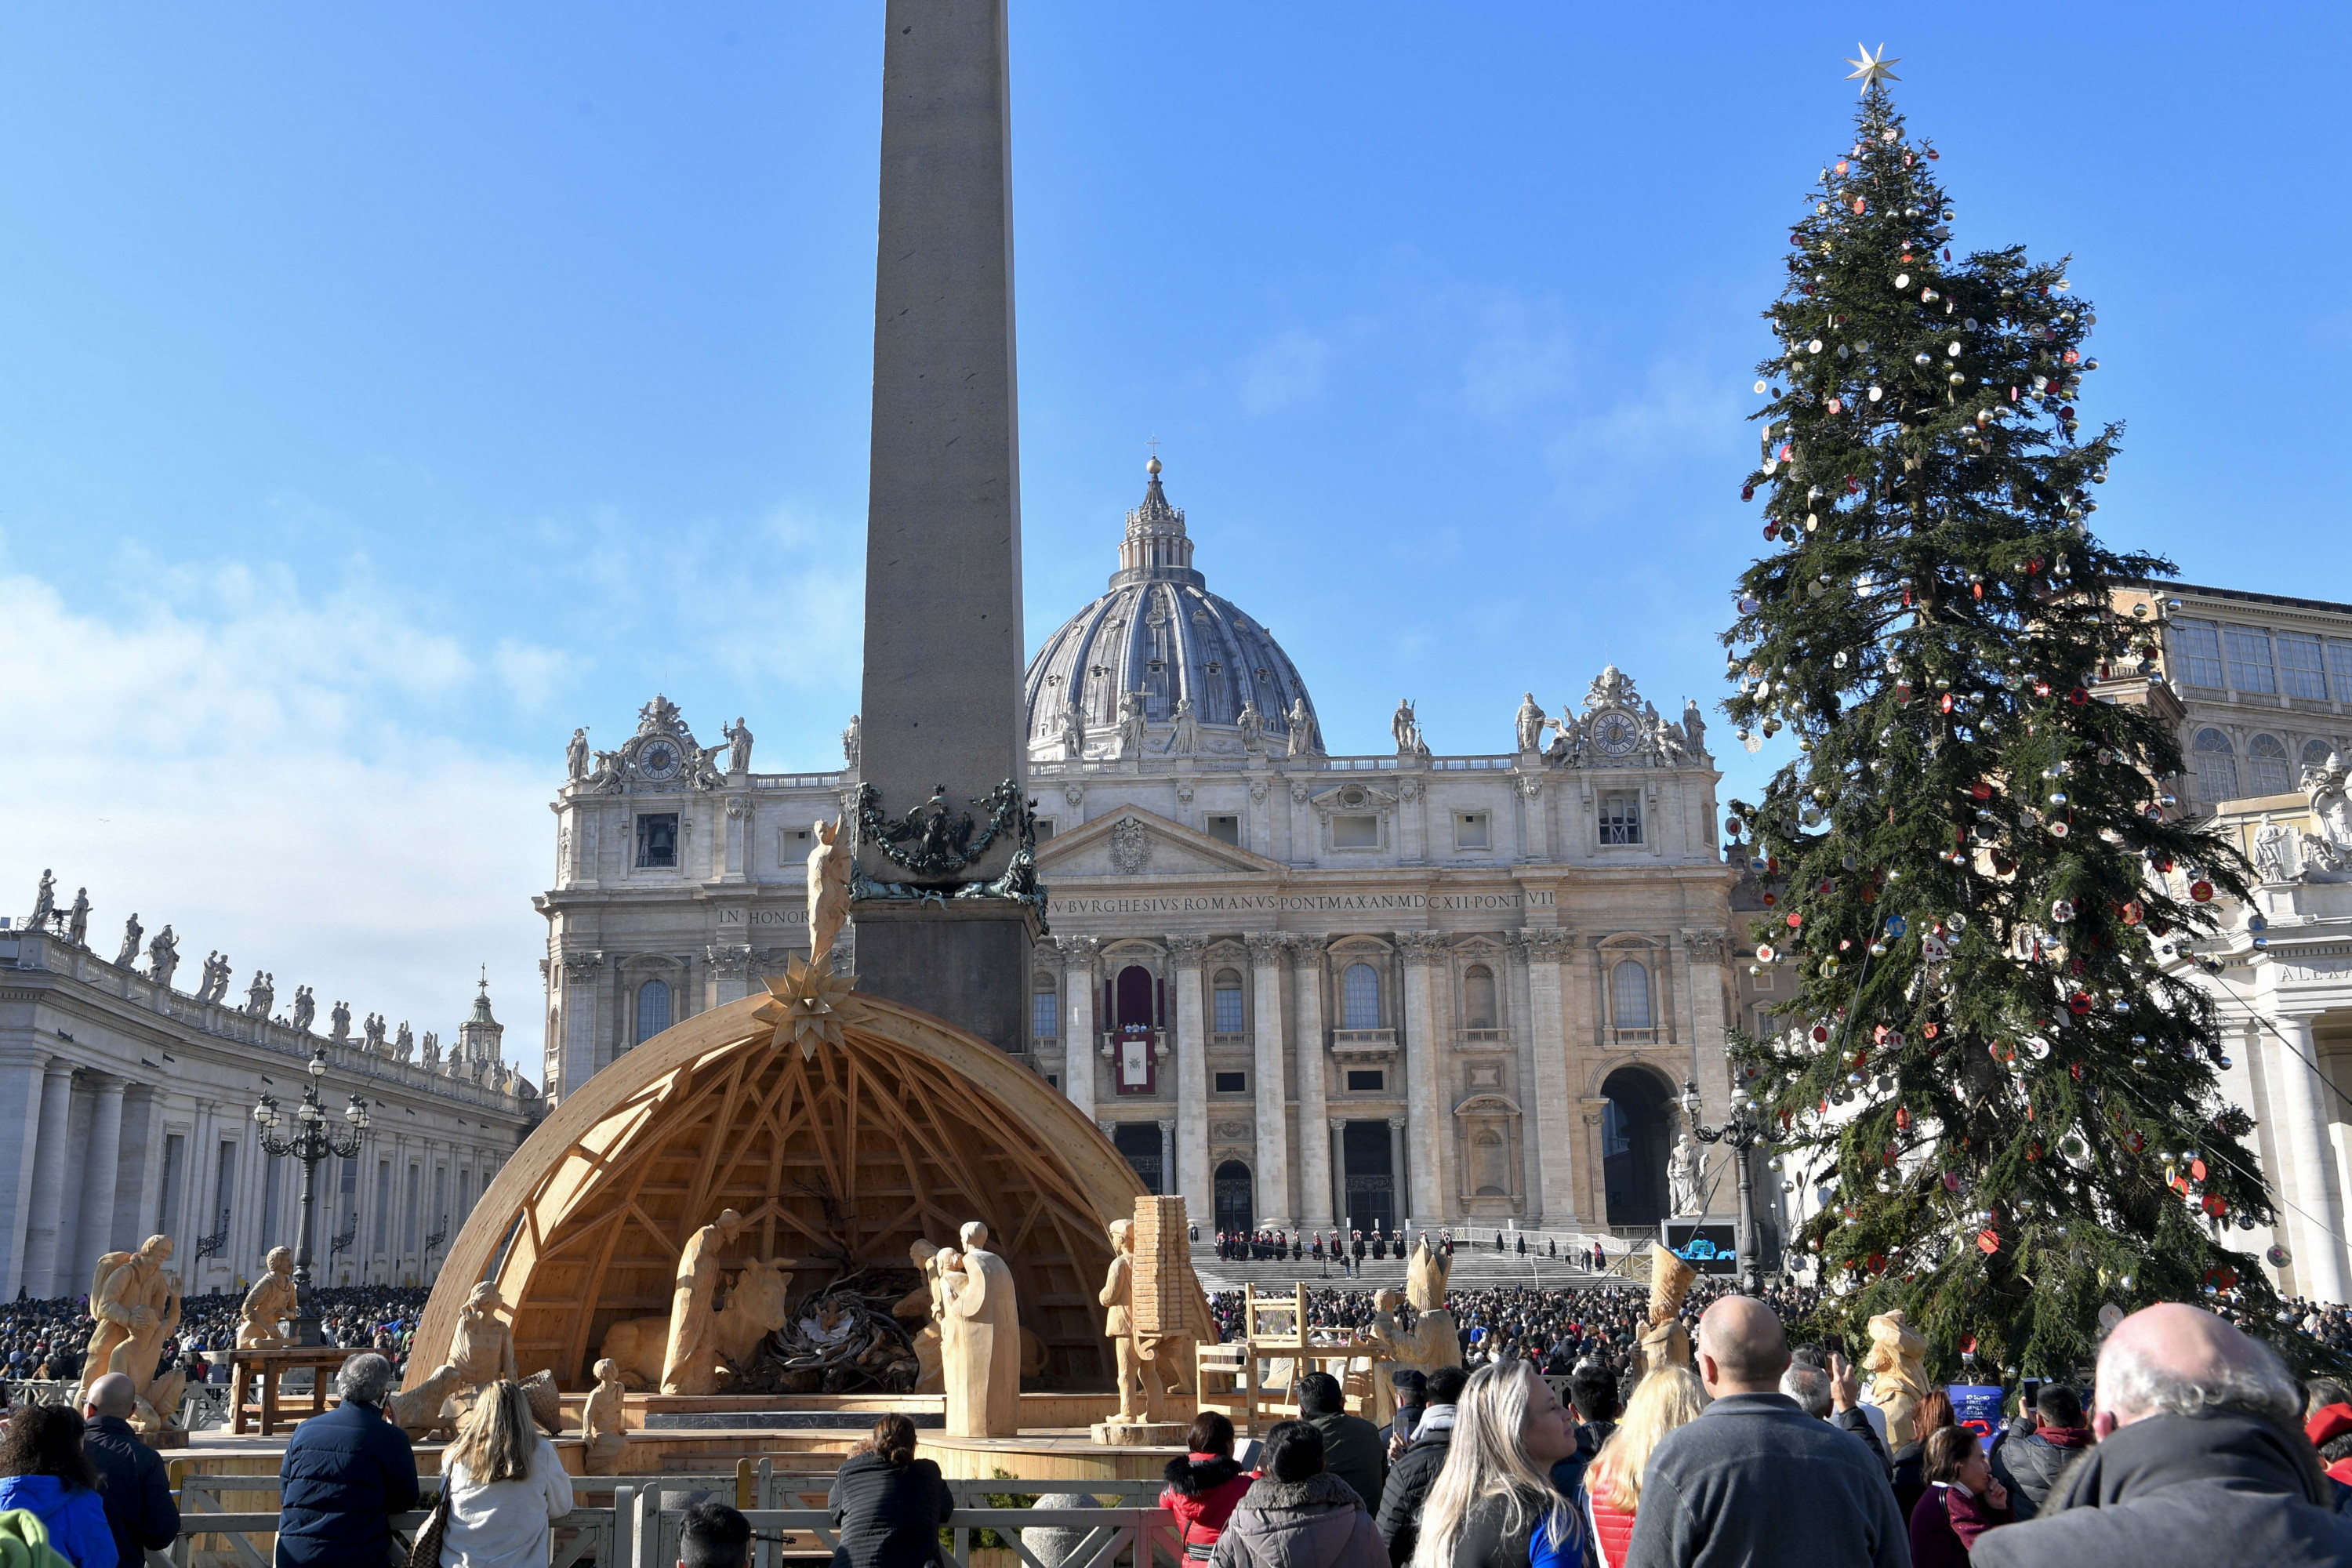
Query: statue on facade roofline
45, 901
1074, 733
575, 756
404, 1044
1305, 742
162, 957
128, 954
77, 919
1185, 738
1252, 724
737, 737
339, 1022
849, 741
1529, 724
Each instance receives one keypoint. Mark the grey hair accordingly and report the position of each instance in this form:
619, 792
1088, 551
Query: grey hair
2130, 1386
1810, 1387
364, 1379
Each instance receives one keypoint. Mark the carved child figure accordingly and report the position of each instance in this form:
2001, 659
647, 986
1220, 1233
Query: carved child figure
272, 1299
1133, 1354
1666, 1343
604, 1422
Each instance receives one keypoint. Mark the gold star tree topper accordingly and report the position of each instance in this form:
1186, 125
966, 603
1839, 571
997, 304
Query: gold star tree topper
1868, 70
806, 1003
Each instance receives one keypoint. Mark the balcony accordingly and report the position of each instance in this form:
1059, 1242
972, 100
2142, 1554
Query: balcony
1483, 1040
1636, 1037
1363, 1042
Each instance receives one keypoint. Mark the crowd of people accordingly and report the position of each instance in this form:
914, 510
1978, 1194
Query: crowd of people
1331, 1249
47, 1339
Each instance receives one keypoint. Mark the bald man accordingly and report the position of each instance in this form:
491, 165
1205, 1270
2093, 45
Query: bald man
1755, 1482
2201, 1459
137, 1493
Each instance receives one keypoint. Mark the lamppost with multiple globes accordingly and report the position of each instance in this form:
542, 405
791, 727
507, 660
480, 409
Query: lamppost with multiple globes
314, 1143
1741, 1134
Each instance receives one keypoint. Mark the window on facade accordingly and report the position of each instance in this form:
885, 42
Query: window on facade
2302, 667
2339, 668
1478, 997
1226, 992
2315, 753
2266, 769
224, 1183
1470, 830
1044, 1009
2217, 766
1362, 1080
653, 1009
657, 839
1355, 833
1226, 829
2197, 644
1233, 1083
411, 1232
1628, 994
2248, 649
1621, 818
1360, 998
1045, 828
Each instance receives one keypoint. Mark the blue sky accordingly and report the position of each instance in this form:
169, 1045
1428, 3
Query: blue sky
383, 392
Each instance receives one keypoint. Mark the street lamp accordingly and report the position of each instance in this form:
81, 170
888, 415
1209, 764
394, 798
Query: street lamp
1742, 1133
314, 1143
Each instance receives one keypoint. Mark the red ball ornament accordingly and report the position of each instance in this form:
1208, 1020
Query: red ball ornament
2078, 697
2202, 892
1981, 790
2196, 1170
1988, 1243
1795, 920
2079, 1003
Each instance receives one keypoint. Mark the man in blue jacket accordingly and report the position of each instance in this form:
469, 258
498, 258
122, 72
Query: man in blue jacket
345, 1474
138, 1493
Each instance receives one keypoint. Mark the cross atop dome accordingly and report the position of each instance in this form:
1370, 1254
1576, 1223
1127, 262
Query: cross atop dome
1156, 549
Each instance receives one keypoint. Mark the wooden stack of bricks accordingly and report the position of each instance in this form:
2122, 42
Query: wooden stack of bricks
1164, 1287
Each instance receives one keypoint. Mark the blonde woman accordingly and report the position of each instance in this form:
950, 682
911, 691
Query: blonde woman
1492, 1505
506, 1485
1669, 1398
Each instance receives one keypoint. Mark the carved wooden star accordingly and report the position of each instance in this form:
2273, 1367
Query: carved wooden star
1868, 70
806, 1003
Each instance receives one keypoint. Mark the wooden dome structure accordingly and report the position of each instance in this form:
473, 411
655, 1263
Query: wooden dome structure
837, 1160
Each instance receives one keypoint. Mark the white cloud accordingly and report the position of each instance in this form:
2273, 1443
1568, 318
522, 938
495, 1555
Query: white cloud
1285, 372
1515, 361
263, 769
1681, 413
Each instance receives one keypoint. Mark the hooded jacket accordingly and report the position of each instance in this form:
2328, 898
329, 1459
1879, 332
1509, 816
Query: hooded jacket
2028, 1464
1318, 1523
1409, 1481
1203, 1491
74, 1517
2178, 1492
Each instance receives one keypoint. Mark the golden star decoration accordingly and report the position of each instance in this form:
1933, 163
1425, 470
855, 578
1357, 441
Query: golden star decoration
1868, 70
806, 1003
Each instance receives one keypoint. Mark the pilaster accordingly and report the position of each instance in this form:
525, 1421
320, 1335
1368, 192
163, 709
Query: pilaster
1319, 1197
1192, 1176
1542, 949
1079, 956
1273, 1141
41, 1269
1425, 1077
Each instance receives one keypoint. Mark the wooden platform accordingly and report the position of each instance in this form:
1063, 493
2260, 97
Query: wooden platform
268, 1369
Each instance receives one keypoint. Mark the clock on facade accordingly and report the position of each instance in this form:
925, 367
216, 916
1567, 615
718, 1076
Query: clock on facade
659, 760
1615, 735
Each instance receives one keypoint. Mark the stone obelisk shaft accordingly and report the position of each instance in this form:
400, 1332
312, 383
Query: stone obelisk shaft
941, 704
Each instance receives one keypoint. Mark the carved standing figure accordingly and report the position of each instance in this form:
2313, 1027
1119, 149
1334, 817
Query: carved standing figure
849, 742
1666, 1343
1693, 728
1133, 1356
1073, 733
1406, 727
128, 954
258, 997
140, 1358
2273, 852
162, 957
604, 1423
1252, 724
739, 747
339, 1021
981, 1357
306, 1008
272, 1299
925, 1305
127, 1293
482, 1347
373, 1030
1130, 724
1304, 740
828, 890
1530, 724
1898, 1369
1685, 1170
688, 1359
575, 756
404, 1044
45, 901
78, 921
1185, 738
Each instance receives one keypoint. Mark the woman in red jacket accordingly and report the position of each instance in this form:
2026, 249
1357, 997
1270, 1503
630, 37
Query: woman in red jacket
1205, 1484
1964, 1503
1667, 1398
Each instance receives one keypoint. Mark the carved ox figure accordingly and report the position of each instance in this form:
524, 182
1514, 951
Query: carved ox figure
756, 1307
419, 1411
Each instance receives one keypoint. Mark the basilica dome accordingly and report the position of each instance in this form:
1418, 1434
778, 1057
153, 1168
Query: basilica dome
1160, 635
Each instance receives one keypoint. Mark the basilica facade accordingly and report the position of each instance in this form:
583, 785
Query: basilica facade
1297, 988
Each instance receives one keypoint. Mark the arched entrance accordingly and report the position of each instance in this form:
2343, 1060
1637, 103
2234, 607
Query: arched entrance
1233, 1205
1637, 1132
1371, 1184
1139, 1141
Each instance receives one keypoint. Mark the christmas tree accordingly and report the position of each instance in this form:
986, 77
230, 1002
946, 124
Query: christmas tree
1993, 1062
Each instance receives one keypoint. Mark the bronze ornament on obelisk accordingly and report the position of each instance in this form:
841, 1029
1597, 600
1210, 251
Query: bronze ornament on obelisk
944, 896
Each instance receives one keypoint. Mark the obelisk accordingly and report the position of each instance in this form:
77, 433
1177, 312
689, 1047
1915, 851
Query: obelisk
942, 708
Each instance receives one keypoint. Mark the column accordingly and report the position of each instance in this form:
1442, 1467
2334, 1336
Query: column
2319, 1262
1423, 1051
1592, 1185
1272, 1074
71, 1264
1078, 955
1319, 1193
139, 1166
101, 1172
1192, 1178
581, 972
1337, 1189
41, 1271
1397, 1173
20, 1093
1538, 844
1166, 1126
1542, 949
1703, 953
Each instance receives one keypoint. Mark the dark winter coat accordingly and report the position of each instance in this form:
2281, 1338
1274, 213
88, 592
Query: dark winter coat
2178, 1492
1409, 1479
1487, 1539
1945, 1525
1755, 1482
1203, 1491
138, 1491
1858, 1423
1352, 1450
1318, 1523
345, 1474
2028, 1464
1910, 1479
887, 1515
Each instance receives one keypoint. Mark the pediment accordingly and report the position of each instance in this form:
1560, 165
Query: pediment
1131, 841
1354, 795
